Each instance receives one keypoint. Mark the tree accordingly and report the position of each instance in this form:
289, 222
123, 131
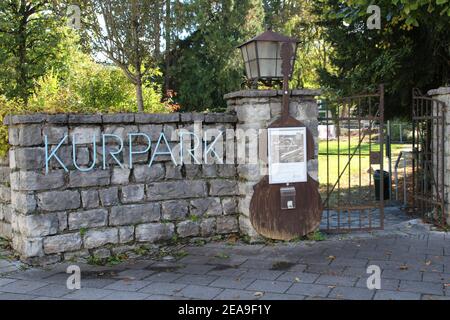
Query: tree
404, 54
30, 42
206, 63
125, 32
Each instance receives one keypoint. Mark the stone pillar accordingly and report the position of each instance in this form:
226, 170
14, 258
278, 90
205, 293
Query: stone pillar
5, 199
256, 110
443, 94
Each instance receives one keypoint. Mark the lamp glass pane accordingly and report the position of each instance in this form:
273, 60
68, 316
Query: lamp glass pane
267, 49
253, 69
251, 50
268, 68
244, 54
247, 70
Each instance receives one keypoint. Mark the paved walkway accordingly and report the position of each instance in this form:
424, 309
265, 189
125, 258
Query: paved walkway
415, 264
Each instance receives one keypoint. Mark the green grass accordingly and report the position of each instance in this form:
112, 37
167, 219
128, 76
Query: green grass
356, 180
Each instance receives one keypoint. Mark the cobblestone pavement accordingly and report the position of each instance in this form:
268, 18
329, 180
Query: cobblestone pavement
415, 263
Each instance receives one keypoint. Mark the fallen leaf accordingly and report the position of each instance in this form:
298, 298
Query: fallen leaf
331, 258
297, 279
403, 267
331, 287
259, 294
428, 262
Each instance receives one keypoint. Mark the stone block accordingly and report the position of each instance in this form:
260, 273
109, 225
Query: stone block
118, 118
28, 247
206, 207
97, 238
36, 181
144, 174
26, 135
90, 199
176, 190
133, 193
227, 224
55, 134
253, 113
89, 179
173, 172
188, 229
109, 197
59, 200
229, 206
120, 176
154, 232
88, 219
5, 174
62, 243
23, 202
39, 225
5, 194
145, 118
85, 135
207, 227
223, 188
175, 209
134, 214
226, 171
126, 234
28, 158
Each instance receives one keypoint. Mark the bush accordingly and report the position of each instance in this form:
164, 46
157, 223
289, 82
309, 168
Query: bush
89, 87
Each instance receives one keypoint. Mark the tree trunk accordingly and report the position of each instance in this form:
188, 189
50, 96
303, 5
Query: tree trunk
22, 80
167, 30
139, 97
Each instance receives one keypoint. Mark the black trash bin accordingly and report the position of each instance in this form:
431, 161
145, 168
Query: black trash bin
386, 184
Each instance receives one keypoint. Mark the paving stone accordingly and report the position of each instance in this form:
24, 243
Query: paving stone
436, 277
348, 262
325, 269
433, 297
164, 288
262, 274
298, 277
233, 294
196, 269
127, 285
15, 296
202, 280
257, 264
269, 286
232, 282
402, 274
134, 274
126, 296
5, 281
349, 293
309, 289
395, 295
422, 287
87, 294
95, 283
227, 271
199, 292
22, 286
336, 280
164, 277
386, 284
52, 291
278, 296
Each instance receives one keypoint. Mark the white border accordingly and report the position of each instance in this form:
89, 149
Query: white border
287, 172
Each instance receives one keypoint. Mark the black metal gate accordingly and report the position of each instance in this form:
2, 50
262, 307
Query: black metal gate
351, 149
429, 135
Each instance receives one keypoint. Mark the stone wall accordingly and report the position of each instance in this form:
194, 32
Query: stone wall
5, 199
257, 109
443, 94
59, 212
62, 215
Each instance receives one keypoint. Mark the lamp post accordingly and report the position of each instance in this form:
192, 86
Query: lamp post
270, 56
